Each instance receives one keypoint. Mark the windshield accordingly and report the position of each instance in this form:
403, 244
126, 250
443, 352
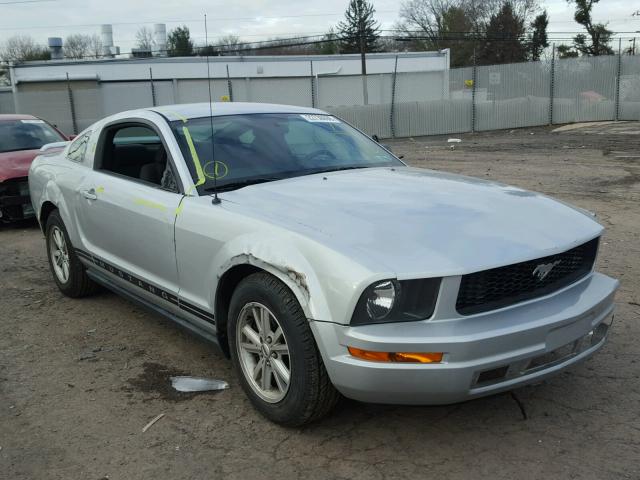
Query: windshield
263, 147
28, 134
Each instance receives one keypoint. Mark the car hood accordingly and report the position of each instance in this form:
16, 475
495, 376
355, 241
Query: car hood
418, 222
16, 164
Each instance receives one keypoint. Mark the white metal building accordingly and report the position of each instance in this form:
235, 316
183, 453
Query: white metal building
75, 93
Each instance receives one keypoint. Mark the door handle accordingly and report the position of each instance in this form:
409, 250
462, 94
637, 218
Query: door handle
90, 194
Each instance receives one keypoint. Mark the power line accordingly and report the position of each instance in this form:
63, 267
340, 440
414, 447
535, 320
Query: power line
303, 41
26, 1
219, 19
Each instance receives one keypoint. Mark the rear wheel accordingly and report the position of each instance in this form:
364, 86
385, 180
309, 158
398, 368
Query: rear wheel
275, 355
67, 269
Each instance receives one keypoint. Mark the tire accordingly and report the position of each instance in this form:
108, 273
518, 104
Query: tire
309, 394
76, 284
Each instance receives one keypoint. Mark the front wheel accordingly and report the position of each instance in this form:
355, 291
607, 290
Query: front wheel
275, 355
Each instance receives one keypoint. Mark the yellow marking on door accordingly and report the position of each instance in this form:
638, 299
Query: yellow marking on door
148, 203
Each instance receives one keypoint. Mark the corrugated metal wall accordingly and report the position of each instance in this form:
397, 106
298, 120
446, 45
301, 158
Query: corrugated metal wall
46, 100
630, 88
406, 104
512, 96
585, 89
6, 101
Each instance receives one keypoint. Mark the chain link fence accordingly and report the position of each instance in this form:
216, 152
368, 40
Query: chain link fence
395, 104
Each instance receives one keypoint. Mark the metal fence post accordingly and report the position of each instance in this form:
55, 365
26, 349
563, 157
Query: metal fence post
618, 74
229, 85
313, 87
552, 83
392, 120
72, 107
474, 80
153, 89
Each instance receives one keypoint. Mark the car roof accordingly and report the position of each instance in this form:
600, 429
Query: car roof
199, 110
16, 116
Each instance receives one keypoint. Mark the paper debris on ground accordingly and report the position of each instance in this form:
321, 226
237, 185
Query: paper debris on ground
454, 140
197, 384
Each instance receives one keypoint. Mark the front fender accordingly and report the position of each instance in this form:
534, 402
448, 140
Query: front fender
282, 259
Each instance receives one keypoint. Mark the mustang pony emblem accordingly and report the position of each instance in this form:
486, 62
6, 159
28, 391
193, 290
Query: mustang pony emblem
542, 270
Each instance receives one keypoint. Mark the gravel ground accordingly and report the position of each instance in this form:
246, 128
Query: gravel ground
80, 378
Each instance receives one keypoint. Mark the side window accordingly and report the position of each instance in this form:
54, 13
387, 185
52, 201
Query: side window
136, 151
78, 147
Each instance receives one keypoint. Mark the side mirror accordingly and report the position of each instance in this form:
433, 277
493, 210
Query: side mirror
375, 138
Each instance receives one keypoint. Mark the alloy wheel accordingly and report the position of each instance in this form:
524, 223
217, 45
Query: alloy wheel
263, 352
59, 254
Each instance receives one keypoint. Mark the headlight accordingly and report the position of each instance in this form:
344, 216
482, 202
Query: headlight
380, 299
397, 301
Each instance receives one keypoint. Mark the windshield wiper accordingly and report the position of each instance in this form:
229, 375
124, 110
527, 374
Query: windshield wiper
241, 183
335, 169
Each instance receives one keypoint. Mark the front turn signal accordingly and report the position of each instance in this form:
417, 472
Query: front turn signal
399, 357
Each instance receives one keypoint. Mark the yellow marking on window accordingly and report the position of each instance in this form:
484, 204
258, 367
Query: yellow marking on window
194, 156
177, 115
100, 190
220, 170
148, 203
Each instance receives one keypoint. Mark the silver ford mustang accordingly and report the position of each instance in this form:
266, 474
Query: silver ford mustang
317, 260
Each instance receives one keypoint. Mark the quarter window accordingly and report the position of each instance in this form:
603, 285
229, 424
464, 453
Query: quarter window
78, 147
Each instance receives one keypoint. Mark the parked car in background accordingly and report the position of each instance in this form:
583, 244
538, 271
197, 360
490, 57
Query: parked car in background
21, 137
320, 262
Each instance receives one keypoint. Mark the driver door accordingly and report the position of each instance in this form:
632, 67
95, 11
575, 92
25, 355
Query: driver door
127, 212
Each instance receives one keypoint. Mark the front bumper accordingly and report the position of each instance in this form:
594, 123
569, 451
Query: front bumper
15, 203
484, 354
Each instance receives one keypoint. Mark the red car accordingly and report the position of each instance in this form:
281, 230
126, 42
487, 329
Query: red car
21, 137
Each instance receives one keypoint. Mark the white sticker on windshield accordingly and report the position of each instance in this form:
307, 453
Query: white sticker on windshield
32, 121
320, 118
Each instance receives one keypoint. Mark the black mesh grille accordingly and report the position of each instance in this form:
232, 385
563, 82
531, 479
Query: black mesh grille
504, 286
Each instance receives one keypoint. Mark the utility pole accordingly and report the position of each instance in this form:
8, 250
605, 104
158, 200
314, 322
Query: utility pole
362, 45
363, 58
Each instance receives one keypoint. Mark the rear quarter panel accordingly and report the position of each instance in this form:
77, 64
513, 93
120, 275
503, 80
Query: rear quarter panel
53, 178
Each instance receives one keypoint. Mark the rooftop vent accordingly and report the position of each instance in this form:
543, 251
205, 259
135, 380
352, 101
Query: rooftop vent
55, 48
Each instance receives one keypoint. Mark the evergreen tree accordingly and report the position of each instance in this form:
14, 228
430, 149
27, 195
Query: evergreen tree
538, 40
179, 42
359, 28
504, 36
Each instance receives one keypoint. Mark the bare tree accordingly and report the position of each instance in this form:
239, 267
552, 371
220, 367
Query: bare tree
83, 46
95, 46
76, 46
144, 38
599, 36
457, 24
427, 15
227, 44
22, 48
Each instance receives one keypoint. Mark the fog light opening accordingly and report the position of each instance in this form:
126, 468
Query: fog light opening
397, 357
599, 333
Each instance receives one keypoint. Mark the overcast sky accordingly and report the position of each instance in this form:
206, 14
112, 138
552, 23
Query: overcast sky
250, 19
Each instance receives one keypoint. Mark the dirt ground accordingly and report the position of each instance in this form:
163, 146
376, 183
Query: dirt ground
80, 378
